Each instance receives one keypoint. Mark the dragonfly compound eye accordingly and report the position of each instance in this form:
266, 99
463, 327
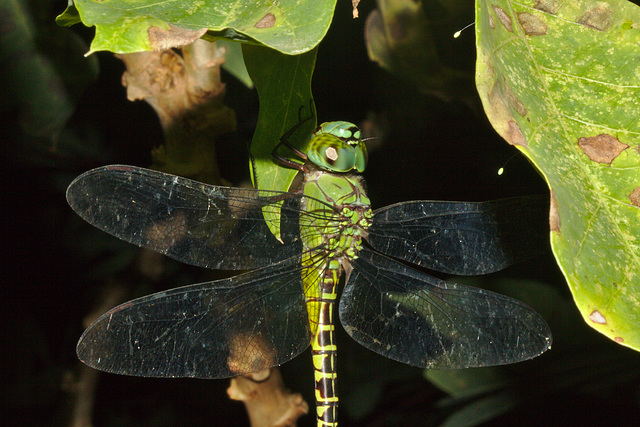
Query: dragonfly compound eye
336, 147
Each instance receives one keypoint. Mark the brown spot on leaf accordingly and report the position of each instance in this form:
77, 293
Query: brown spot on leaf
554, 217
267, 21
515, 135
503, 17
161, 39
635, 197
602, 148
549, 6
515, 102
492, 24
532, 25
501, 104
619, 340
597, 317
598, 18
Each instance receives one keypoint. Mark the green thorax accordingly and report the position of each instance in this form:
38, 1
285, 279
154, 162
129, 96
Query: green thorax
341, 210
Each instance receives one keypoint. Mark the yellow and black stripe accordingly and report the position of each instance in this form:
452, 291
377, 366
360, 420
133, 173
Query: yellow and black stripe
323, 350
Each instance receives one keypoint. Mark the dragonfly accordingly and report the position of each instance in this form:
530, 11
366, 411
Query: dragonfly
296, 246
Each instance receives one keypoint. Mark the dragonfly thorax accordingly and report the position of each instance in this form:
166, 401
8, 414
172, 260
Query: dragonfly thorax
341, 214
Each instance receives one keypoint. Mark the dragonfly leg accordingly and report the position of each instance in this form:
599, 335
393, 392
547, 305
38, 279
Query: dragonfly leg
284, 141
283, 161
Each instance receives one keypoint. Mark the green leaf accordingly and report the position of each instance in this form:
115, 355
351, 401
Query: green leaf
284, 89
234, 62
125, 26
561, 81
69, 17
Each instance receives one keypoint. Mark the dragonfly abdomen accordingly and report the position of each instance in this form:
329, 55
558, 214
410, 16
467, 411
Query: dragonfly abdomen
323, 347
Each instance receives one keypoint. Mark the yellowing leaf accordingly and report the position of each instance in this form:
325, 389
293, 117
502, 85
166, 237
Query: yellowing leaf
561, 81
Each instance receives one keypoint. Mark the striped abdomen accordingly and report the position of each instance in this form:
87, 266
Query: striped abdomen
323, 348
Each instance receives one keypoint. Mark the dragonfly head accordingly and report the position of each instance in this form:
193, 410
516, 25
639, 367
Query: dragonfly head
338, 147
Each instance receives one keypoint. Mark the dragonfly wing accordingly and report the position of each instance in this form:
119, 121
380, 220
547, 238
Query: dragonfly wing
416, 319
463, 238
195, 223
211, 330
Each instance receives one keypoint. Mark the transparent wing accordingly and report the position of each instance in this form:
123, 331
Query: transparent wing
195, 223
211, 330
463, 238
419, 320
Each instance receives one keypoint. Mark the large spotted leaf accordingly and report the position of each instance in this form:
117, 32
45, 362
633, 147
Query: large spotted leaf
561, 81
125, 26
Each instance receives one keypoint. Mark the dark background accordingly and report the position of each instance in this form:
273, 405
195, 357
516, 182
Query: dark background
56, 266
